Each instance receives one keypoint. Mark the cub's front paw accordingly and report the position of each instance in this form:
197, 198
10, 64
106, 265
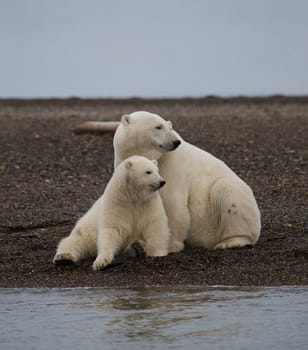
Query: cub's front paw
100, 263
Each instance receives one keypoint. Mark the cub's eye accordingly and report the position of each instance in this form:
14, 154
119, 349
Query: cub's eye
158, 127
149, 172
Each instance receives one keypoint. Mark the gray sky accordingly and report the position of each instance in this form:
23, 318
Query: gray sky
122, 48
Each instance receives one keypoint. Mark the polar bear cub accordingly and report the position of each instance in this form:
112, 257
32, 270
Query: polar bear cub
129, 210
206, 203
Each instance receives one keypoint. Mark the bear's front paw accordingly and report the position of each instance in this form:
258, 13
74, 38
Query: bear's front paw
64, 259
138, 249
175, 246
100, 263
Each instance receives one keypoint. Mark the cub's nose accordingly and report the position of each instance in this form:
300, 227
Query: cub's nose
176, 143
162, 183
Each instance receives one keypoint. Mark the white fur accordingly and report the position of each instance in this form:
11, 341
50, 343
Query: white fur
129, 210
206, 203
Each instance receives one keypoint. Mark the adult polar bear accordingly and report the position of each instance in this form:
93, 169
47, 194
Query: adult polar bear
207, 204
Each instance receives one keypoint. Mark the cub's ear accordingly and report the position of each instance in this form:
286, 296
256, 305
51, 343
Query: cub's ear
125, 120
129, 164
155, 161
169, 123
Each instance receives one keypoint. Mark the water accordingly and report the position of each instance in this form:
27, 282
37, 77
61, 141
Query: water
154, 318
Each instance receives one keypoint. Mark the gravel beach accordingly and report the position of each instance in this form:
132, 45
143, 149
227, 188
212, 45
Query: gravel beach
50, 176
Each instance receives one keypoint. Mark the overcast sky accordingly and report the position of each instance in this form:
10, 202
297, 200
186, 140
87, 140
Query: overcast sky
123, 48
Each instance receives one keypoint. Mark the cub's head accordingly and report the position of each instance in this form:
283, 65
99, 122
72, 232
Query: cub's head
145, 134
142, 177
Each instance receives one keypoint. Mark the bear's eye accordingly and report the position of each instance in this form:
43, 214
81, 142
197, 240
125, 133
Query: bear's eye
158, 127
149, 172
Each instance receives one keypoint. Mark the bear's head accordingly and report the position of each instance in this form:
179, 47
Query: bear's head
142, 177
145, 134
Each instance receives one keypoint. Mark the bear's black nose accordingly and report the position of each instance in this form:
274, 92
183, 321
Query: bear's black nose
162, 183
176, 143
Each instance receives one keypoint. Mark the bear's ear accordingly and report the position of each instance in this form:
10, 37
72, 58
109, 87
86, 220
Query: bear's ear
155, 161
125, 120
129, 164
169, 123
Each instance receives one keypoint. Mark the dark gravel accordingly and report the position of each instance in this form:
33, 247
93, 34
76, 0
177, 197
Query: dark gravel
49, 177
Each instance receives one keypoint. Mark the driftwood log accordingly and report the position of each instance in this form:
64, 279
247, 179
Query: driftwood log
91, 127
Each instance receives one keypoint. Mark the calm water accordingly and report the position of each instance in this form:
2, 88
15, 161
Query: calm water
154, 318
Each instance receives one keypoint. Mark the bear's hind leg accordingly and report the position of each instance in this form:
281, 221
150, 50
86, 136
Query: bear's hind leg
233, 242
77, 246
67, 252
64, 259
236, 217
